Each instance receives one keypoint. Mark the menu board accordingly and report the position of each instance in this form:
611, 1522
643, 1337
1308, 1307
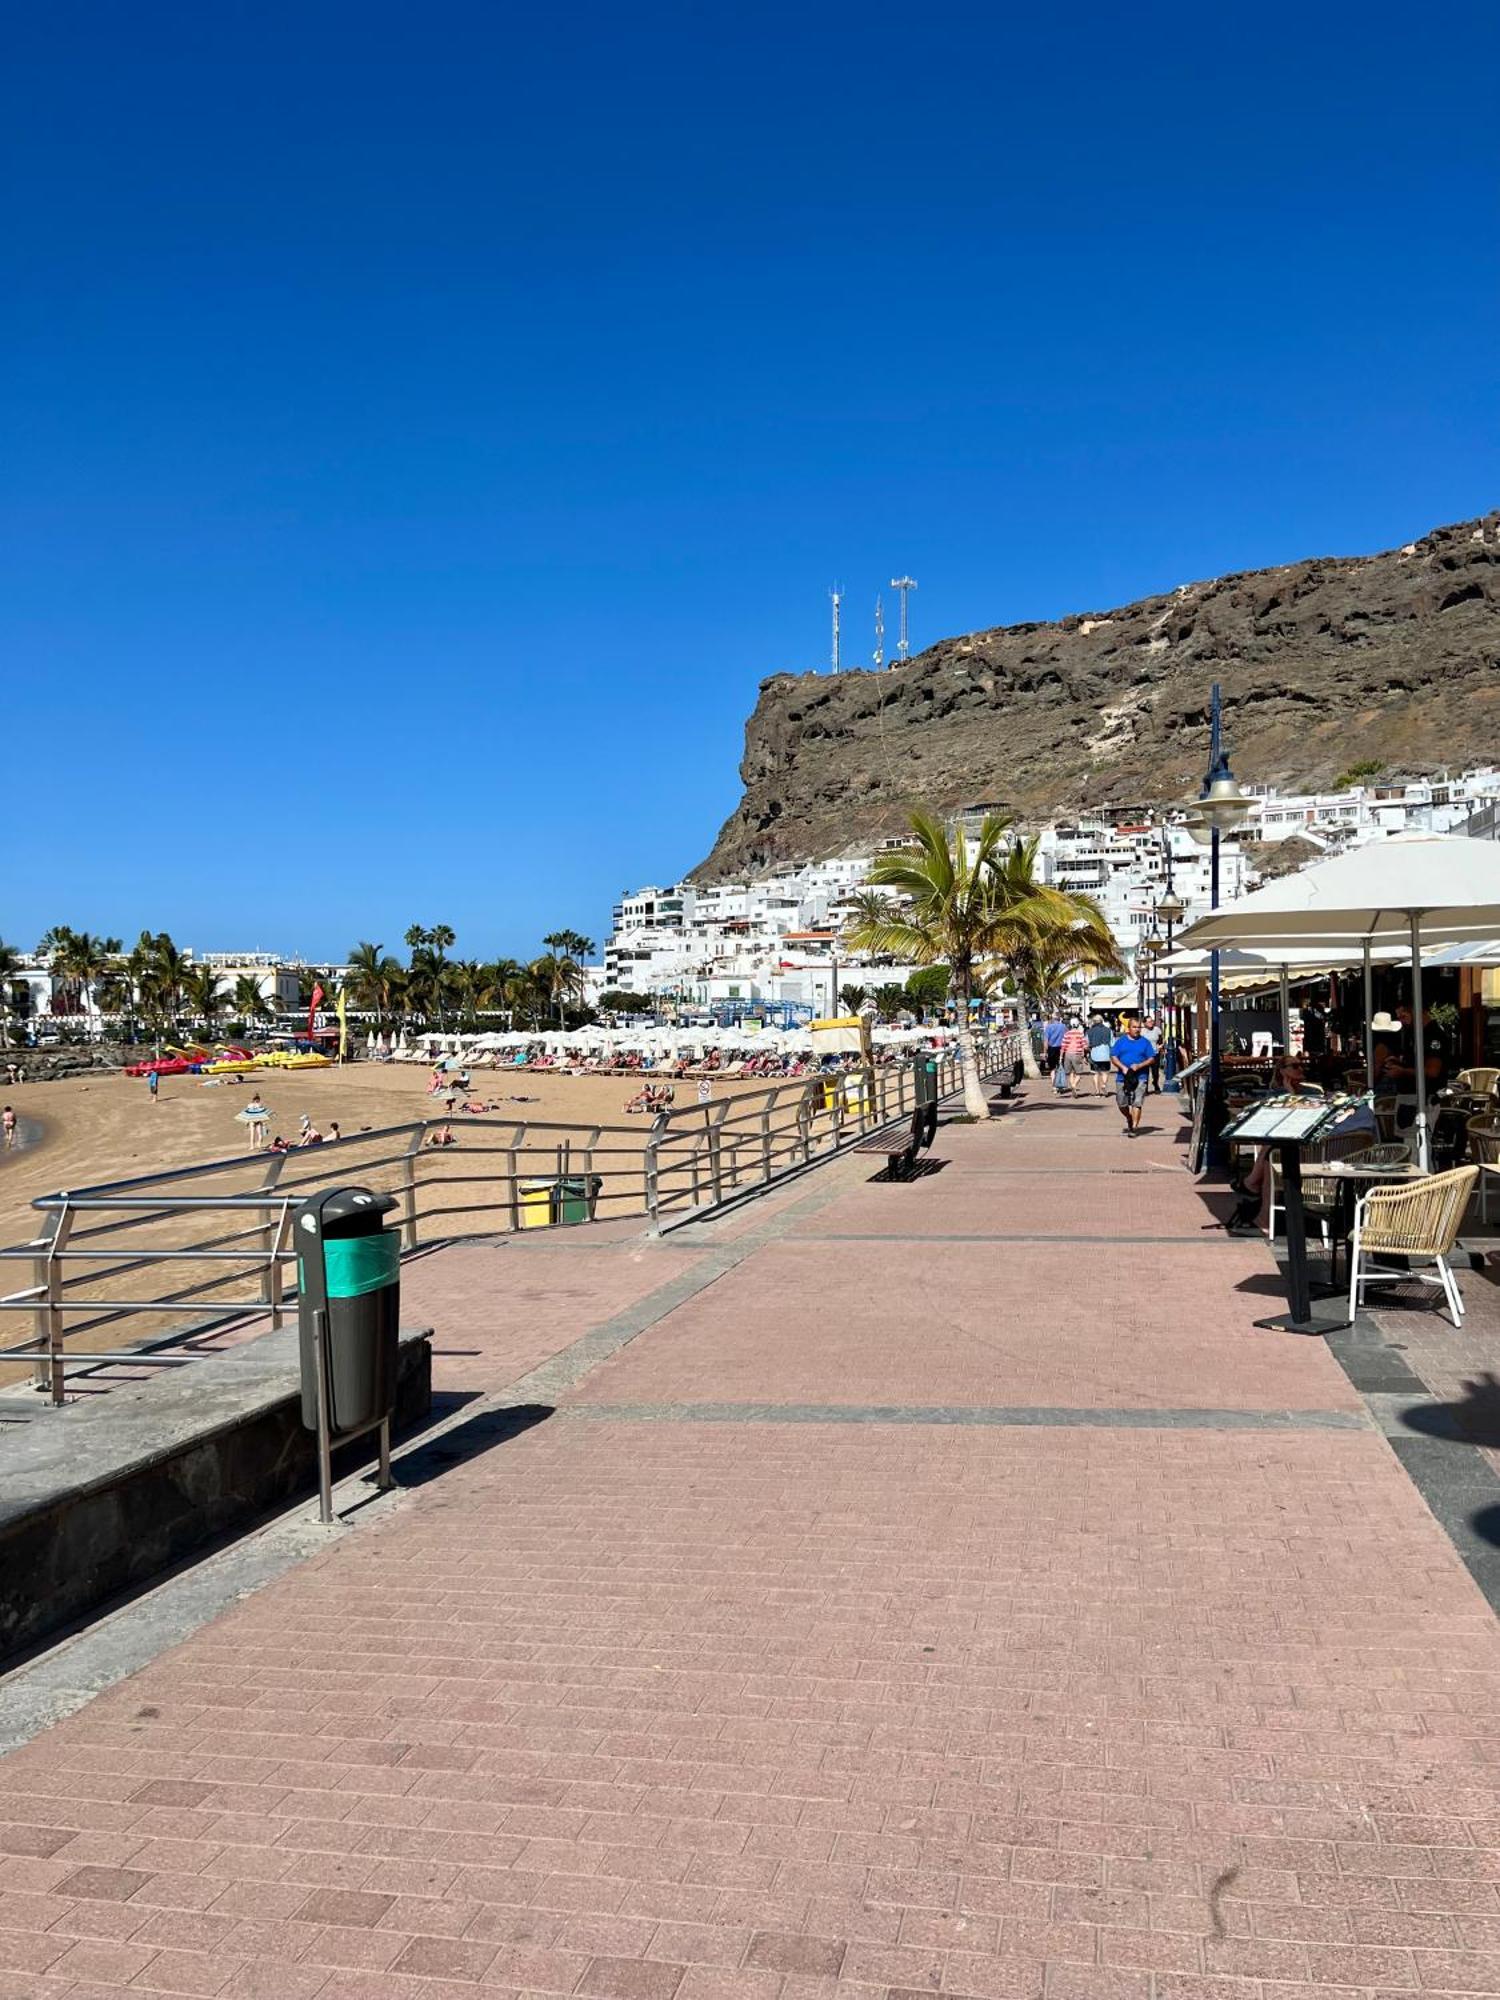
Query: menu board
1275, 1123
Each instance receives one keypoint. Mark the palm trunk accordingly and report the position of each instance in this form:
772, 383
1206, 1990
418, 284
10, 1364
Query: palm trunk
975, 1102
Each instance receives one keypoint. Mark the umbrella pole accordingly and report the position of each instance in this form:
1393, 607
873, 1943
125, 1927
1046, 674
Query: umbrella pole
1369, 1031
1419, 1053
1286, 1012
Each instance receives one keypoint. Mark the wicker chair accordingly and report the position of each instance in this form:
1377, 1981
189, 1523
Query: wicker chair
1477, 1082
1420, 1221
1484, 1151
1385, 1117
1319, 1197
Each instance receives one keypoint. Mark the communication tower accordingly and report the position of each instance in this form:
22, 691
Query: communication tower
879, 635
905, 584
837, 594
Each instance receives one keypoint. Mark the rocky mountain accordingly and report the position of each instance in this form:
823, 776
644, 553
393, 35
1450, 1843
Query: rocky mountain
1392, 658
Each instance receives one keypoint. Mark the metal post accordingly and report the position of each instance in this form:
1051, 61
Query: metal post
653, 1181
1369, 1013
271, 1279
1286, 1012
409, 1190
1419, 1052
49, 1373
325, 1441
385, 1479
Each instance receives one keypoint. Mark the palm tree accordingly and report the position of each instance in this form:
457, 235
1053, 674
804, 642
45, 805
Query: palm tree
1067, 933
561, 978
10, 967
373, 979
249, 1002
200, 992
81, 960
936, 902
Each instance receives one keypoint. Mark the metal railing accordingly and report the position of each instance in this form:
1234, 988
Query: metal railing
201, 1232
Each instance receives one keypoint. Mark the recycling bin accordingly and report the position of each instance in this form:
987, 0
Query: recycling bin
924, 1119
566, 1198
349, 1276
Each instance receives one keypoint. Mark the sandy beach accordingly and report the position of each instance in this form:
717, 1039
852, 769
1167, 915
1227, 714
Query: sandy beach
102, 1128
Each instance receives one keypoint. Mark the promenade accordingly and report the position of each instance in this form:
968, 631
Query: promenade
885, 1590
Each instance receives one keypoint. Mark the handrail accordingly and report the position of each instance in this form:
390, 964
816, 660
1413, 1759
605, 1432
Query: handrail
689, 1161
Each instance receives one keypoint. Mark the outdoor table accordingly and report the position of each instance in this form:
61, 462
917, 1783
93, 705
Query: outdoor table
1349, 1175
1289, 1125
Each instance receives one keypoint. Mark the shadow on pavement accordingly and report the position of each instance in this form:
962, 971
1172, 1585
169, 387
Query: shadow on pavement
1473, 1419
1486, 1524
467, 1440
917, 1171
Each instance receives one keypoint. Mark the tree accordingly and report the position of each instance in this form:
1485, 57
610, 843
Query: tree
374, 980
618, 1001
892, 999
10, 966
81, 960
200, 992
1065, 933
934, 903
947, 900
853, 997
249, 1002
927, 991
570, 944
561, 978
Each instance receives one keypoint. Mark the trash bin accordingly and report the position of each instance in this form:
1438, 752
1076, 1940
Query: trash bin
348, 1269
534, 1200
565, 1198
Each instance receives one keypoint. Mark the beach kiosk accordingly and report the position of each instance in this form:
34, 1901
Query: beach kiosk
845, 1035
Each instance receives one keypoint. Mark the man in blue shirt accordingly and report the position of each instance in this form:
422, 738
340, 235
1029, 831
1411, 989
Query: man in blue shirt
1131, 1058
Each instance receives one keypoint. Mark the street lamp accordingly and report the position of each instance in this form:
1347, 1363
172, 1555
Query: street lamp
1220, 809
1170, 909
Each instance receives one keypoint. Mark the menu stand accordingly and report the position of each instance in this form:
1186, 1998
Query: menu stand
1290, 1127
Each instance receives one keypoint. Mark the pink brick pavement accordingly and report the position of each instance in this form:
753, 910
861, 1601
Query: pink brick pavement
660, 1709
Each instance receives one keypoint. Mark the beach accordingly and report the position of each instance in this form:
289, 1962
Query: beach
103, 1128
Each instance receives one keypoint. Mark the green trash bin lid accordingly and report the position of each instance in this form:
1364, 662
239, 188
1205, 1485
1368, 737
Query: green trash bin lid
359, 1264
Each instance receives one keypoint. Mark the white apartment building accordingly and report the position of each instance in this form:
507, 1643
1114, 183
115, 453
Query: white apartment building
779, 937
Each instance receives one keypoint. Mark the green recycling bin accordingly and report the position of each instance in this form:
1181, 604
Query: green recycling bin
349, 1277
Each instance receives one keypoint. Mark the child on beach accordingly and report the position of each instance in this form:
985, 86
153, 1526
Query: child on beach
8, 1127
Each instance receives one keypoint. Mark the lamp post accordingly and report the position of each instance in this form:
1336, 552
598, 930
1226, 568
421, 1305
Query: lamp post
1171, 910
1219, 810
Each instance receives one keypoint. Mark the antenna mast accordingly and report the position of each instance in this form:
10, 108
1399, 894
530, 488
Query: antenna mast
837, 594
879, 635
905, 584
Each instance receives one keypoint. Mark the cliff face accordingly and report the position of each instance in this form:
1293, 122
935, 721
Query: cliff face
1324, 664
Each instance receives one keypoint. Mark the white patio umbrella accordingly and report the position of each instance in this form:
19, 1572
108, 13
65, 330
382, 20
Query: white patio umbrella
1425, 889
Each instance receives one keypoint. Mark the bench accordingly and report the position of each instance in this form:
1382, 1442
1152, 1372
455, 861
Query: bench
902, 1164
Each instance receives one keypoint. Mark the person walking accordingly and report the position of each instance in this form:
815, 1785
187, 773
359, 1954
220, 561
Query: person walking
257, 1116
1099, 1040
1131, 1057
1075, 1055
1052, 1038
153, 1084
1152, 1034
8, 1128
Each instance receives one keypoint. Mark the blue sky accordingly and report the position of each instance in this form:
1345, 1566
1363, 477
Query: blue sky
420, 428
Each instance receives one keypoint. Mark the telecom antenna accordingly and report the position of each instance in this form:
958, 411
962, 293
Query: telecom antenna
837, 594
879, 635
905, 584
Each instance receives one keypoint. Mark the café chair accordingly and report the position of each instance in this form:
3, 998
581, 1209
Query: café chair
1419, 1222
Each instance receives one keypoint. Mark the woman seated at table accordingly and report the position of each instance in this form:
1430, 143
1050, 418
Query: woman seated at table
1288, 1079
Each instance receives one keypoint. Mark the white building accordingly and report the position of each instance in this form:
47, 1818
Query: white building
778, 937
